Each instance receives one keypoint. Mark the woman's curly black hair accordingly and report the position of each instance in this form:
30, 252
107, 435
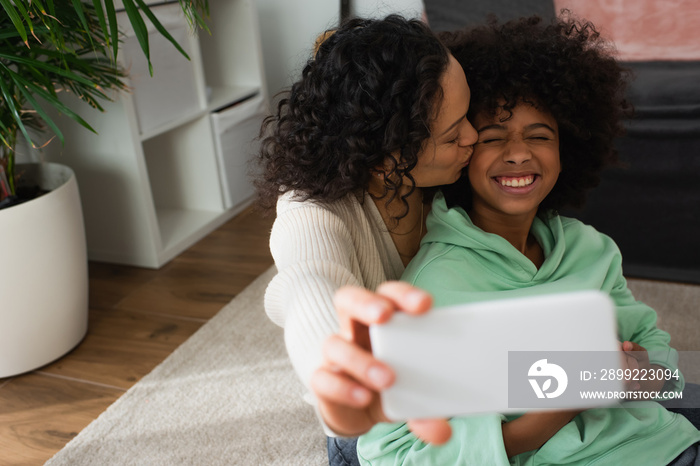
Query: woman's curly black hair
564, 67
369, 92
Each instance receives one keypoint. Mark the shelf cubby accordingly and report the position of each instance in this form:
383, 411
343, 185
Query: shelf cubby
160, 174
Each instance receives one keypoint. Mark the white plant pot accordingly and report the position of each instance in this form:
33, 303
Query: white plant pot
43, 273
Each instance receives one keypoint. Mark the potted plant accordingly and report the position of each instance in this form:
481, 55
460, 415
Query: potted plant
49, 47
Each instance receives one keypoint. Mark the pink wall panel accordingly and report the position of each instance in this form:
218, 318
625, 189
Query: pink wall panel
644, 29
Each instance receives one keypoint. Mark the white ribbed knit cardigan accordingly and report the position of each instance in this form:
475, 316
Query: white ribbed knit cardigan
318, 248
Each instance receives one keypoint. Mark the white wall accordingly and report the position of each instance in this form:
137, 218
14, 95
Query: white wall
289, 29
380, 8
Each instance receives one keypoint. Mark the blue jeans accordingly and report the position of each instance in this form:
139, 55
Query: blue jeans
342, 451
690, 457
689, 405
690, 408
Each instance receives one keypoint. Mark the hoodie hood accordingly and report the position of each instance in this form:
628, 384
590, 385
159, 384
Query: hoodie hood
452, 227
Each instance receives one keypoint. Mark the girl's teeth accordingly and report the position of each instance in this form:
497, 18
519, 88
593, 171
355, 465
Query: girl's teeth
517, 182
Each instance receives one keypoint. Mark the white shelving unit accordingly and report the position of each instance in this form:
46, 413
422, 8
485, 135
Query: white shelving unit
169, 162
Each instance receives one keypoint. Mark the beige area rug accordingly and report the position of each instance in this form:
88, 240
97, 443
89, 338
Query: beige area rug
227, 396
678, 308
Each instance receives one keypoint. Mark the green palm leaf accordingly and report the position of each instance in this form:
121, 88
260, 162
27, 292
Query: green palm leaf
159, 27
35, 105
77, 4
52, 45
99, 12
140, 30
113, 28
48, 67
12, 106
13, 14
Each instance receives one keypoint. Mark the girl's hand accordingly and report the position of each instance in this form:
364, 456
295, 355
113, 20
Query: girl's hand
347, 385
636, 357
533, 429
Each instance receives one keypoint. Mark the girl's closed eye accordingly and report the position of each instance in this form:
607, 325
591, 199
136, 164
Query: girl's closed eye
491, 139
491, 135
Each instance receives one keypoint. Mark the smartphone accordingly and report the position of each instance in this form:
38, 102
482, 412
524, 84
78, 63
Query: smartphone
502, 356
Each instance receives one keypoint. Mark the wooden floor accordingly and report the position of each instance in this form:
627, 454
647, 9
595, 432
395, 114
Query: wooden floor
137, 318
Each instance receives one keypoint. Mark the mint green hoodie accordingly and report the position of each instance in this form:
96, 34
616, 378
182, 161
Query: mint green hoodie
460, 263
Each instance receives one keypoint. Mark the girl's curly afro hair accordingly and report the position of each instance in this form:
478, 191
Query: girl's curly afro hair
564, 67
369, 92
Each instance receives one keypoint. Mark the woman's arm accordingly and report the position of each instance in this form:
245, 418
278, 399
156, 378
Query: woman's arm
316, 254
317, 250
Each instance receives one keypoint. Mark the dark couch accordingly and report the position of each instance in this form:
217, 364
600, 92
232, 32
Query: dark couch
651, 206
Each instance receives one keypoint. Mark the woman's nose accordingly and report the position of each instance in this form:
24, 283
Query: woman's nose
468, 135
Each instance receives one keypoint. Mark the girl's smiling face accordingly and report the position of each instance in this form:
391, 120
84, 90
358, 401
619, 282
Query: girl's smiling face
515, 164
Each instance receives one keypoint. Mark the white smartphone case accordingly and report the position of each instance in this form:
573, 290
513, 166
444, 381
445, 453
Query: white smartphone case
454, 360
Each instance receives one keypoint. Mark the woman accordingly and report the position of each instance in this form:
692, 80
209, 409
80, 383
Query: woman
377, 118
